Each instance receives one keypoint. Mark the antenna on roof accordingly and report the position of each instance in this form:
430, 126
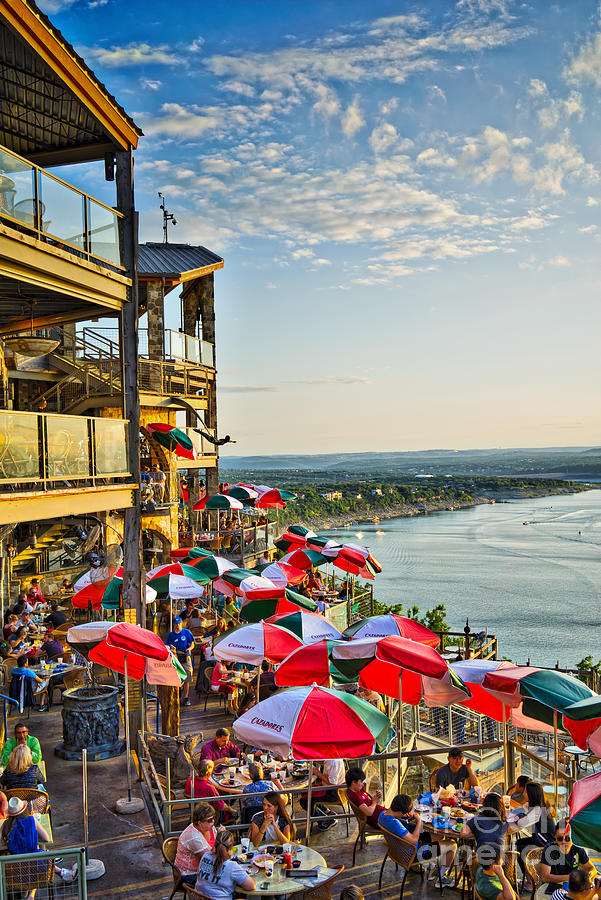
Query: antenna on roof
167, 217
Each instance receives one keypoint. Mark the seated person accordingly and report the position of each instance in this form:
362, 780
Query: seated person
518, 791
315, 583
220, 684
404, 822
560, 858
489, 826
491, 881
220, 748
21, 771
32, 600
218, 875
9, 649
371, 697
51, 648
580, 887
57, 616
19, 638
22, 736
358, 796
10, 627
267, 683
194, 841
36, 590
455, 772
25, 620
272, 825
201, 788
65, 588
258, 785
21, 832
39, 685
329, 778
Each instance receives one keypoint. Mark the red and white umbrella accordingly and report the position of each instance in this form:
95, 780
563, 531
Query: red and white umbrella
253, 643
315, 723
390, 624
218, 501
308, 626
303, 559
281, 574
232, 582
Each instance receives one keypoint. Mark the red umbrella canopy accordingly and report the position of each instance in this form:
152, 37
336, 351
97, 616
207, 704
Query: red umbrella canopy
390, 624
303, 559
134, 639
218, 501
253, 643
114, 659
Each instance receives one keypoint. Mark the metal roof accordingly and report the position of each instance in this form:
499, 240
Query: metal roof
175, 260
51, 103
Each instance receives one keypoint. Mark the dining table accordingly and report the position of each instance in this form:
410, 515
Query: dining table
221, 777
279, 883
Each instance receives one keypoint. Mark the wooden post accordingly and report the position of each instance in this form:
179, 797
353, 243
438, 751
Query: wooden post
169, 702
132, 548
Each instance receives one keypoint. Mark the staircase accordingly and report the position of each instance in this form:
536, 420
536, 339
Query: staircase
31, 560
92, 369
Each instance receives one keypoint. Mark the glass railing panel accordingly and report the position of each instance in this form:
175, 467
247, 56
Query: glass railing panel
17, 189
192, 349
110, 445
207, 356
103, 231
176, 344
68, 447
19, 447
62, 211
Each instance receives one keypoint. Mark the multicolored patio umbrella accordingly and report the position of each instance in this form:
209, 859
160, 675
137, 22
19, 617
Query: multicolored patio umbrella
315, 542
272, 498
179, 585
585, 812
325, 662
389, 624
173, 439
240, 581
105, 596
85, 637
218, 501
251, 644
243, 492
303, 559
184, 553
282, 574
315, 723
308, 626
294, 537
211, 566
253, 610
100, 576
179, 568
353, 559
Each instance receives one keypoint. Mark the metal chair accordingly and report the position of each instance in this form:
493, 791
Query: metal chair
533, 868
169, 851
364, 827
399, 851
323, 891
221, 697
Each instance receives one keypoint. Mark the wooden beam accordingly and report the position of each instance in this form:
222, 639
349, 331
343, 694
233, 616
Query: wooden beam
34, 506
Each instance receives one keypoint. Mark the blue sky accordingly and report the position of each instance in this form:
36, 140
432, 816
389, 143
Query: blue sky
407, 199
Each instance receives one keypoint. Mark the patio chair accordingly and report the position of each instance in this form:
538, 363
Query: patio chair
323, 891
399, 851
363, 826
74, 678
221, 697
533, 868
169, 850
40, 801
27, 876
432, 778
192, 894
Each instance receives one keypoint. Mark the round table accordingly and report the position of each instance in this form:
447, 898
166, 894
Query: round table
278, 883
224, 785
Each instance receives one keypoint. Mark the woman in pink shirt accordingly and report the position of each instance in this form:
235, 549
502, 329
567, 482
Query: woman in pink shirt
219, 683
195, 840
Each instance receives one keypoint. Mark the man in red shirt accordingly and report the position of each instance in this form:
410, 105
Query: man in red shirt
355, 791
220, 749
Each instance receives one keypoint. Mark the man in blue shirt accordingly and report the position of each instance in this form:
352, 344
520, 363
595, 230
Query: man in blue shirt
182, 641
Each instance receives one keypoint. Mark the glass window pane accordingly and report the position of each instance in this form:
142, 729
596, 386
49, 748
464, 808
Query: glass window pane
19, 447
62, 211
104, 233
17, 195
111, 446
68, 447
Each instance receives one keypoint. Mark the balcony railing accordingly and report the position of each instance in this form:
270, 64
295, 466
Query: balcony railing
176, 344
57, 212
42, 451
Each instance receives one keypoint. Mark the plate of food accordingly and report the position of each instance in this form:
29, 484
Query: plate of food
456, 813
261, 859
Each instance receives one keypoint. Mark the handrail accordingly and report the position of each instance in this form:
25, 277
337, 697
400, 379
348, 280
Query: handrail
4, 713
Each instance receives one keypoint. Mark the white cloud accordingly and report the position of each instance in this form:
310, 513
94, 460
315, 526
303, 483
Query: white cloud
537, 88
585, 65
239, 87
196, 45
592, 201
149, 84
436, 93
383, 138
352, 120
560, 262
54, 6
327, 103
131, 55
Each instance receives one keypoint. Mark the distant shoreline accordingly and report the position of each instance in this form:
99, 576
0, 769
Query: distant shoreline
407, 510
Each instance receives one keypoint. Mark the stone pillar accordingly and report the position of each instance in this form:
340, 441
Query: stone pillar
156, 319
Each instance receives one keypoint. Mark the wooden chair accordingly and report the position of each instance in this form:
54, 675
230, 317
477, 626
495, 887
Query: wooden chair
323, 891
72, 679
532, 864
192, 894
432, 779
27, 876
169, 850
364, 827
399, 851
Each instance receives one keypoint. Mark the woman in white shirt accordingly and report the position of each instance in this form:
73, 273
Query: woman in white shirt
536, 827
194, 841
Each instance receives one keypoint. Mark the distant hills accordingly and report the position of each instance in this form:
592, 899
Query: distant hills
557, 461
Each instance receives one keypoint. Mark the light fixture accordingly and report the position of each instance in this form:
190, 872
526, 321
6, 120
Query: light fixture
30, 344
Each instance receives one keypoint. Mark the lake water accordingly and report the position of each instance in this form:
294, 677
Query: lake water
537, 587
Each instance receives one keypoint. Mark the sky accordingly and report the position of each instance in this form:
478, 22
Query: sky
407, 199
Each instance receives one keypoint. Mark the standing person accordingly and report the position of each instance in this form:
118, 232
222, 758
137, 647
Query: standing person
456, 772
182, 641
330, 778
194, 841
218, 875
159, 480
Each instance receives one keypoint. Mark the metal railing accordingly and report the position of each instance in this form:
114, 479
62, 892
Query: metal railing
44, 451
56, 212
176, 344
37, 873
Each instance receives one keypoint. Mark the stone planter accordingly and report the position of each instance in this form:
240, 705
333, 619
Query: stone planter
91, 720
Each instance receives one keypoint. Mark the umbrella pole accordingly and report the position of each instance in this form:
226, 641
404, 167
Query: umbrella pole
505, 752
308, 822
127, 738
399, 736
555, 757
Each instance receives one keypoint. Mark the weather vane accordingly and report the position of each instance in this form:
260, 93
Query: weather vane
167, 217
